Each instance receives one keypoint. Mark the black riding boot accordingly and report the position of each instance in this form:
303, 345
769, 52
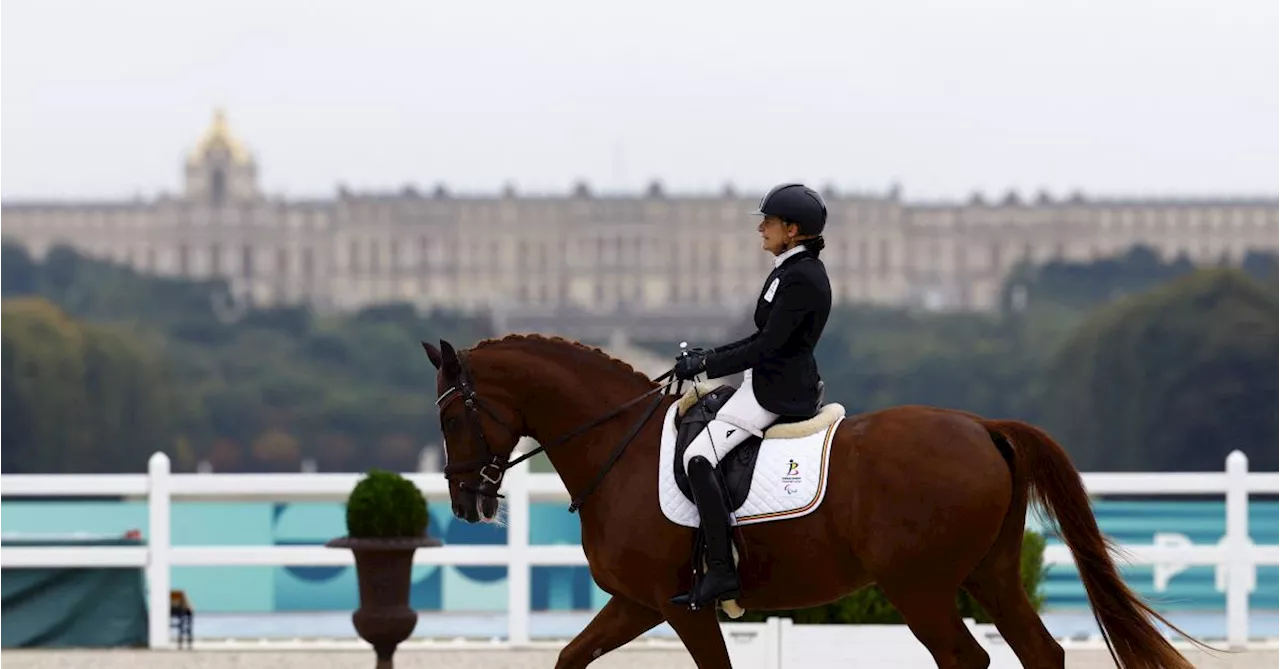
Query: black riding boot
721, 579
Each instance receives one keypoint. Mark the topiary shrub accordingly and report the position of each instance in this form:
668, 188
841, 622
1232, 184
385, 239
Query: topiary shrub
869, 606
386, 505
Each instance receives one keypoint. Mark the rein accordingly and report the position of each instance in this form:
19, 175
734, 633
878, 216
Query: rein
492, 467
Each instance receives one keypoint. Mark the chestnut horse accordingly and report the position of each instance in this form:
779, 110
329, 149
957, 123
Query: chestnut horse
923, 501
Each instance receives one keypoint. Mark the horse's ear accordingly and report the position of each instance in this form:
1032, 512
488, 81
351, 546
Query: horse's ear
449, 359
434, 354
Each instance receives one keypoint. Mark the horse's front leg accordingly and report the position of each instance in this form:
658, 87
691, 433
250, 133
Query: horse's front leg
619, 621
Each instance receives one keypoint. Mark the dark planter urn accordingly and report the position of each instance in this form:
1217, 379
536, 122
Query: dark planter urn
383, 570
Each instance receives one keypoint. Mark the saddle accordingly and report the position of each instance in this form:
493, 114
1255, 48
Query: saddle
738, 468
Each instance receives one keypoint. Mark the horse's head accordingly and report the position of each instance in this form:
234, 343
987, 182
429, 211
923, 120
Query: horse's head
480, 427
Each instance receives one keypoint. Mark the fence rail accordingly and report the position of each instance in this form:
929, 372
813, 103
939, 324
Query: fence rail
1235, 556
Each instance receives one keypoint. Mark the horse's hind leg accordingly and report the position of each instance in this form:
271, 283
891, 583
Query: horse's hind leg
618, 622
700, 632
932, 616
997, 585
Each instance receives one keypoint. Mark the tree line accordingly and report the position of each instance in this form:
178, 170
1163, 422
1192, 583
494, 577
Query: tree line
261, 391
1133, 362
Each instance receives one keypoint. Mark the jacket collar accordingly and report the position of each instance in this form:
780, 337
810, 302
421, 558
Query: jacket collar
783, 257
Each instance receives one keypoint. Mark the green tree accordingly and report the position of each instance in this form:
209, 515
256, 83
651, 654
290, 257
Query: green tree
131, 413
20, 274
1171, 380
78, 398
1090, 284
44, 381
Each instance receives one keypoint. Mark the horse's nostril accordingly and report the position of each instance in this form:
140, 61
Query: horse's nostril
458, 510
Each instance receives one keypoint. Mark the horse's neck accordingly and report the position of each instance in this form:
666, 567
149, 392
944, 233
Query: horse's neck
557, 409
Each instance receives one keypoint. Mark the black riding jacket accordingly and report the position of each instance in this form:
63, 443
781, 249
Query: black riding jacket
790, 316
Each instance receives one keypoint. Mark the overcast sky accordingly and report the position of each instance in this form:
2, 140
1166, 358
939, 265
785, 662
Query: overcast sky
1133, 97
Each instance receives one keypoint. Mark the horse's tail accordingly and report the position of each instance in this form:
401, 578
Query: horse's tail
1125, 620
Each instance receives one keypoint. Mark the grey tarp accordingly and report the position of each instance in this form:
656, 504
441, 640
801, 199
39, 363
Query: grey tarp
60, 607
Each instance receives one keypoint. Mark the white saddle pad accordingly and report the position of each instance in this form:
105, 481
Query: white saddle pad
790, 478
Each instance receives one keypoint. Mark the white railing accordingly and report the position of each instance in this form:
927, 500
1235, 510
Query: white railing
1235, 557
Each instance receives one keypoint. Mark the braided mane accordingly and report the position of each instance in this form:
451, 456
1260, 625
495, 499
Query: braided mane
622, 365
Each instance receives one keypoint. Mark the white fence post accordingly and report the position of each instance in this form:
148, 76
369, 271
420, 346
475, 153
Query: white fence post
158, 550
518, 576
1240, 568
778, 629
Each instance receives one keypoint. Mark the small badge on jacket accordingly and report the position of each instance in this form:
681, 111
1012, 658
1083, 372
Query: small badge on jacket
773, 288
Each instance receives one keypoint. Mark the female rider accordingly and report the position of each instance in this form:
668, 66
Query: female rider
780, 373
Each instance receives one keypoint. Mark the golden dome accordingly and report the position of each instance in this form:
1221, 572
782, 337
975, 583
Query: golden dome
218, 136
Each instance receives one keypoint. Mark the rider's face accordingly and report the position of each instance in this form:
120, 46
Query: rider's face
776, 236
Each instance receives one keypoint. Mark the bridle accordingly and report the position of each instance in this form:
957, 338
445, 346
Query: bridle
493, 466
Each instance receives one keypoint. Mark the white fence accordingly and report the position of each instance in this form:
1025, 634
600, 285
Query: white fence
1235, 556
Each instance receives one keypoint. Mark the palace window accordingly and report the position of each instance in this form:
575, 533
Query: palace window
218, 186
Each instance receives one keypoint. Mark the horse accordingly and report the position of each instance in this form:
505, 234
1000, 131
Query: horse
921, 500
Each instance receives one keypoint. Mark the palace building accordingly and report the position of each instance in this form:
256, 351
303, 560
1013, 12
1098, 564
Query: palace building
587, 264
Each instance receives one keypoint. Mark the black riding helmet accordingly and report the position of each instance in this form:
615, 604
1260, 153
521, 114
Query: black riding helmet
798, 204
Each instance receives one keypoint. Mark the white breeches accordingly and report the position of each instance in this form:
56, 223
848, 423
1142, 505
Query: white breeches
739, 418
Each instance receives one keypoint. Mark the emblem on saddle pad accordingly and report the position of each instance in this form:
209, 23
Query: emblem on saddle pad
792, 479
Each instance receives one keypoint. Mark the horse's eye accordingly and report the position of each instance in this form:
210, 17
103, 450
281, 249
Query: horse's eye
450, 423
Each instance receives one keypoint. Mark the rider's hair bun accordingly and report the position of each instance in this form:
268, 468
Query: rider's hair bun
815, 245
